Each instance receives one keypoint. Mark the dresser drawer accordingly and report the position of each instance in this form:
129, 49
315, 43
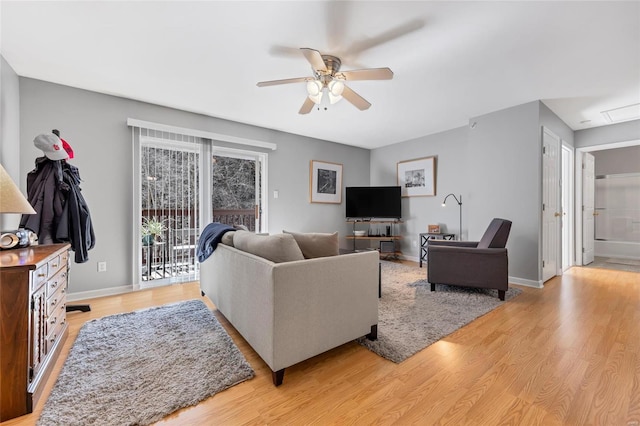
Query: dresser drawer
56, 264
55, 335
59, 280
55, 299
57, 317
39, 276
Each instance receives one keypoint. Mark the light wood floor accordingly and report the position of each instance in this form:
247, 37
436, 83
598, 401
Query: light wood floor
565, 354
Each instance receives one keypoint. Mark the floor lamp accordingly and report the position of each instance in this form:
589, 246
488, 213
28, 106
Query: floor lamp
459, 201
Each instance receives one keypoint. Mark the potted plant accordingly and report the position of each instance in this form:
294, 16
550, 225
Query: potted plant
151, 230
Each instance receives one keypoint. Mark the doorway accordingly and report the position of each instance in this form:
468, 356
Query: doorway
585, 224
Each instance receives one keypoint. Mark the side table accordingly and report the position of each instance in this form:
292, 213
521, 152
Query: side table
424, 242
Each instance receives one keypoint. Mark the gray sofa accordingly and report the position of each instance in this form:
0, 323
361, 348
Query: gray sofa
293, 310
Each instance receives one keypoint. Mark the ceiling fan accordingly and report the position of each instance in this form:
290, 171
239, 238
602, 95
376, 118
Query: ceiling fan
327, 75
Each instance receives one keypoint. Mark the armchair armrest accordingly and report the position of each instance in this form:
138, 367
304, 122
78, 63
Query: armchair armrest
451, 243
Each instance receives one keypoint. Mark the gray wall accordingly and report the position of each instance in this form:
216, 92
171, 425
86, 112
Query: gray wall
450, 148
550, 120
10, 135
621, 132
495, 164
505, 181
617, 160
95, 126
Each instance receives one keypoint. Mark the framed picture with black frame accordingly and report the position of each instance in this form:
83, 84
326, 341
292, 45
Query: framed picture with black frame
325, 182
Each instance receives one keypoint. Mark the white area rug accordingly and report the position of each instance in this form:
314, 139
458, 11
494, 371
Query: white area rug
136, 368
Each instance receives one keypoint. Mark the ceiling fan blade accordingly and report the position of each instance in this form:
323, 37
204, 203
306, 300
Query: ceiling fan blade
287, 51
367, 74
315, 58
285, 81
357, 100
307, 106
360, 46
337, 16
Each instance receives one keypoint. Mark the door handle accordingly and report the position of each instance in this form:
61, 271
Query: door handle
556, 214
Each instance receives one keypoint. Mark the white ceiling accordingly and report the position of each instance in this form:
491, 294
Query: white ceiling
451, 60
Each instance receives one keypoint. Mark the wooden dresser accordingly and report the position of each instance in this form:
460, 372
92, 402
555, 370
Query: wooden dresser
33, 326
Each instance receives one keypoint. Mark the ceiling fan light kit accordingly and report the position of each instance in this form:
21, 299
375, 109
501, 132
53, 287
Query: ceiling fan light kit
327, 75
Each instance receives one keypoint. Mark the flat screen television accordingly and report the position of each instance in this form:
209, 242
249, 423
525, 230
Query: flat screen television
364, 202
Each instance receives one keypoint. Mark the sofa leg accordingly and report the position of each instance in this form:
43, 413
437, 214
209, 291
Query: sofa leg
278, 377
501, 294
433, 287
374, 333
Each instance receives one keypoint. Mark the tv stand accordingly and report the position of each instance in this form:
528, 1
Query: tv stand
384, 233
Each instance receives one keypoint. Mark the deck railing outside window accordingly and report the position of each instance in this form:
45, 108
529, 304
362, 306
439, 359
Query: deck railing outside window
173, 255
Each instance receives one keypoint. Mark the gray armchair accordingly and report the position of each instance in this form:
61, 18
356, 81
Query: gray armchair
482, 264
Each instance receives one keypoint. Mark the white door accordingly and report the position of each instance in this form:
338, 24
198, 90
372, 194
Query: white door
567, 208
550, 204
588, 204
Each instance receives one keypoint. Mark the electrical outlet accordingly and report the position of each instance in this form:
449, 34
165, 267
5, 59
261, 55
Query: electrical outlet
102, 266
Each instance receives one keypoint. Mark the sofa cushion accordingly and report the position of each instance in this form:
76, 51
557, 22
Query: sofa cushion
276, 248
315, 245
227, 238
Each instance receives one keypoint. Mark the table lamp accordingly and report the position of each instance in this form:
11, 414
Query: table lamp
11, 201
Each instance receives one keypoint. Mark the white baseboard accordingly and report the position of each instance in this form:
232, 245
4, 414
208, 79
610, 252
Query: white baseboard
111, 291
526, 282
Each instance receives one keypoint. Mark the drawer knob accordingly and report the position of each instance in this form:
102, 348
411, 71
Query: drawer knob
55, 265
42, 275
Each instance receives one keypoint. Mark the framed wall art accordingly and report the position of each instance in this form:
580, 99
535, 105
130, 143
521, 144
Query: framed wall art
417, 178
325, 182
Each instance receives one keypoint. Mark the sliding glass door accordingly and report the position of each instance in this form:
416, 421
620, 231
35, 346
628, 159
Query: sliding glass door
179, 192
170, 206
237, 188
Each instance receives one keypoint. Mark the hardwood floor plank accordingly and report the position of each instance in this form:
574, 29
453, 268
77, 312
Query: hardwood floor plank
565, 354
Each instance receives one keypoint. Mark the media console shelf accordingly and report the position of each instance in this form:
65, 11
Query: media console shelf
382, 231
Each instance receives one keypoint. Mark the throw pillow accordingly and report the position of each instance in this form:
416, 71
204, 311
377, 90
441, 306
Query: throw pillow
227, 238
276, 248
315, 245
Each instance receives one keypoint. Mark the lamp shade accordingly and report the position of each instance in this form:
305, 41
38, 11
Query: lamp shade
11, 199
314, 89
336, 87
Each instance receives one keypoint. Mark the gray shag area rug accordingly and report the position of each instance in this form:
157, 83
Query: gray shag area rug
138, 367
412, 317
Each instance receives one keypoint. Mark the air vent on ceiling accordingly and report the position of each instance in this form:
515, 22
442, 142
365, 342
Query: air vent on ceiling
617, 115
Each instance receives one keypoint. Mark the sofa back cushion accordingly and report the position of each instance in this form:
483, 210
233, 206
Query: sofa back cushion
227, 238
276, 248
315, 245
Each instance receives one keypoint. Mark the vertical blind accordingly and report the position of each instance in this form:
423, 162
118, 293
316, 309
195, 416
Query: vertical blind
170, 195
